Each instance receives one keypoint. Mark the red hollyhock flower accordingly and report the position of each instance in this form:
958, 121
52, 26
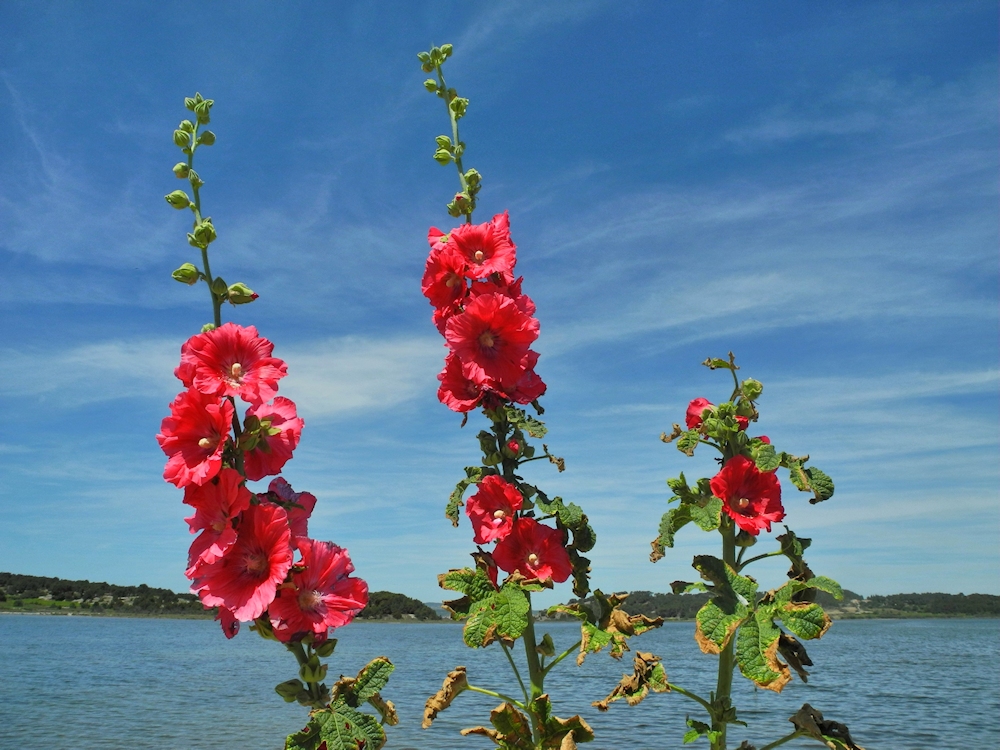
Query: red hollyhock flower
492, 509
193, 437
442, 315
444, 276
752, 498
742, 422
321, 595
280, 430
511, 289
492, 337
216, 503
694, 411
486, 248
231, 361
298, 505
534, 550
245, 579
456, 391
530, 386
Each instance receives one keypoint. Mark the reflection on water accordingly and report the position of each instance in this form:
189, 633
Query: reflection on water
108, 683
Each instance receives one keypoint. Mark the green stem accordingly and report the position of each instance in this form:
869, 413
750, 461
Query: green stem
495, 694
727, 660
302, 659
740, 566
561, 656
454, 138
783, 740
517, 673
688, 694
216, 302
535, 674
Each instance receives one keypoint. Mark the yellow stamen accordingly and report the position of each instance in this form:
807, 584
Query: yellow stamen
743, 503
237, 370
499, 513
204, 443
479, 255
532, 559
486, 339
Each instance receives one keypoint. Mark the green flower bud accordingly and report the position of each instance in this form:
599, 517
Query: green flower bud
187, 126
262, 626
181, 170
205, 232
313, 671
206, 139
431, 85
446, 49
325, 649
181, 138
195, 242
427, 67
752, 388
202, 108
443, 141
743, 539
458, 106
194, 179
473, 178
189, 103
289, 689
205, 329
219, 287
423, 57
442, 156
187, 274
241, 294
178, 199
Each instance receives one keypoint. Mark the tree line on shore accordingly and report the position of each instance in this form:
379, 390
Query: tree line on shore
23, 592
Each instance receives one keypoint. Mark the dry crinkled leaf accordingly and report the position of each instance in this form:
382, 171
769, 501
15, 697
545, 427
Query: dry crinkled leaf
613, 626
833, 734
647, 675
386, 708
456, 682
560, 734
513, 729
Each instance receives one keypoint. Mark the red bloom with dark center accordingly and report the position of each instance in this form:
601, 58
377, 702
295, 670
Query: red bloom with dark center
280, 430
492, 509
231, 361
216, 503
298, 505
492, 337
321, 595
487, 248
530, 386
456, 391
193, 437
694, 411
534, 550
444, 276
245, 579
752, 498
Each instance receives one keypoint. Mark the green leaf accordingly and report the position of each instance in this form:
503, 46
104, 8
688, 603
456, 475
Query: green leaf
699, 729
675, 519
472, 476
821, 484
688, 441
524, 421
370, 680
343, 728
730, 605
806, 620
503, 615
756, 652
764, 456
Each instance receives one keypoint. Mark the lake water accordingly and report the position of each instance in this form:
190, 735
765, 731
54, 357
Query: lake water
117, 684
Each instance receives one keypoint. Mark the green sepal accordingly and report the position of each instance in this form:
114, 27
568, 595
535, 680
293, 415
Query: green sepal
472, 476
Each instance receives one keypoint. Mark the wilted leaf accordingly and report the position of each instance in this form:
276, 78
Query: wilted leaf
610, 626
688, 441
795, 654
648, 674
521, 419
559, 734
512, 729
834, 735
806, 620
386, 709
455, 683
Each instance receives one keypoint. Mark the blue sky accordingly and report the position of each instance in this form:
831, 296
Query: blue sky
813, 186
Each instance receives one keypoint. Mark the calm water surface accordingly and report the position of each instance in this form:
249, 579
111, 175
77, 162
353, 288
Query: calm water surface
117, 684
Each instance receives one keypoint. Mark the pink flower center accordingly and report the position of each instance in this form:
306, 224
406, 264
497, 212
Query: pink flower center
309, 600
532, 559
486, 339
256, 563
